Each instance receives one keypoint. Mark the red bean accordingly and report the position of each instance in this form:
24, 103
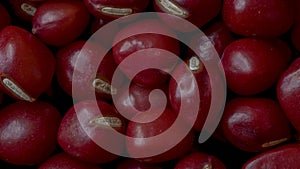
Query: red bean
113, 9
182, 91
219, 35
58, 23
138, 98
248, 67
28, 132
138, 69
133, 164
286, 156
72, 134
128, 45
255, 124
199, 160
150, 126
4, 17
26, 64
24, 9
82, 58
295, 34
197, 12
263, 18
65, 161
288, 93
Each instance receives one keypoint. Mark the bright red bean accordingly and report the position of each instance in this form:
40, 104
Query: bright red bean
259, 18
255, 124
59, 22
26, 64
28, 132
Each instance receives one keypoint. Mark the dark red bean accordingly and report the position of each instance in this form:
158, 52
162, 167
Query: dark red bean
65, 161
248, 67
73, 136
198, 160
60, 22
255, 124
288, 93
26, 64
286, 156
259, 18
28, 132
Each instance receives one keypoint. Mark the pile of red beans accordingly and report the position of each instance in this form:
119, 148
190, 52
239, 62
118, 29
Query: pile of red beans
258, 42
